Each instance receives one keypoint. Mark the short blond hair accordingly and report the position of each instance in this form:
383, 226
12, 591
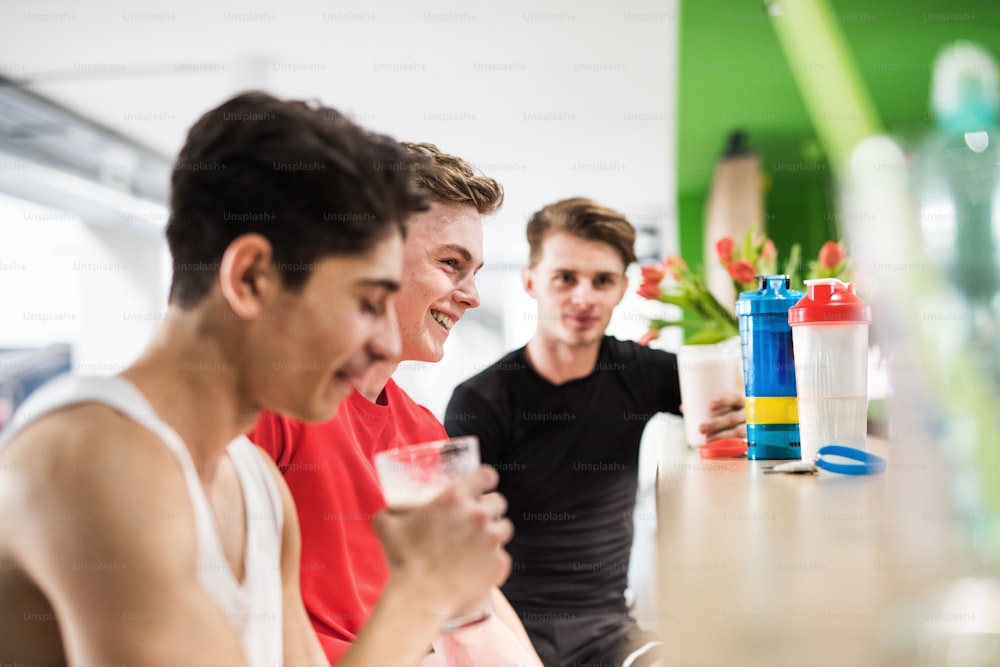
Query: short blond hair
452, 180
585, 219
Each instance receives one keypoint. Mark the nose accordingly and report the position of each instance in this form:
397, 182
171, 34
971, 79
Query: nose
583, 292
467, 292
385, 343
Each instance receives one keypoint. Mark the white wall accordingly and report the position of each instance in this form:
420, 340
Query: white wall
554, 99
63, 281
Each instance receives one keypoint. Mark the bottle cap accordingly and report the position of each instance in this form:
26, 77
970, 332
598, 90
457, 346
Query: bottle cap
829, 301
723, 449
772, 296
964, 88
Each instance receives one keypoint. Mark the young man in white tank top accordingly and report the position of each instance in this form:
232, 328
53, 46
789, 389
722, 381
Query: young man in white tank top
140, 526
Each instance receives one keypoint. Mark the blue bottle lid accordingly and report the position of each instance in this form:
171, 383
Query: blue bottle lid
964, 89
772, 296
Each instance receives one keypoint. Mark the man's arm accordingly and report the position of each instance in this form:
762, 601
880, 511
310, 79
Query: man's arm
501, 640
106, 530
301, 646
505, 612
445, 556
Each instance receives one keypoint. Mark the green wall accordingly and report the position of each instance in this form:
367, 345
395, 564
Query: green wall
733, 74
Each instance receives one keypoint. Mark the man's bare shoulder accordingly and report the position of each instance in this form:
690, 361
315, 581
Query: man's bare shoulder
89, 467
86, 437
103, 540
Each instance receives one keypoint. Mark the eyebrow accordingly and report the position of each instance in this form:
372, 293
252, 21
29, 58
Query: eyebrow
599, 274
458, 250
383, 283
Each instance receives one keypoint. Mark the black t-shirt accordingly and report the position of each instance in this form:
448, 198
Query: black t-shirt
567, 456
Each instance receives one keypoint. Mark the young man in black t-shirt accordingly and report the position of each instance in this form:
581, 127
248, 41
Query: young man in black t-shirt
561, 420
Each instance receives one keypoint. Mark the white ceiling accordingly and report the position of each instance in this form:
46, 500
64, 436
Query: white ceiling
552, 98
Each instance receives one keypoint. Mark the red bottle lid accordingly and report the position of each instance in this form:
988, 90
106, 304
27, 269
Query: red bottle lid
723, 449
829, 301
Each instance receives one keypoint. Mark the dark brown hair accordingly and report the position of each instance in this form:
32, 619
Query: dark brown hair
303, 176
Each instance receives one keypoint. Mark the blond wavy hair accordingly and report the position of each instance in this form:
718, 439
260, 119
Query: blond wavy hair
452, 180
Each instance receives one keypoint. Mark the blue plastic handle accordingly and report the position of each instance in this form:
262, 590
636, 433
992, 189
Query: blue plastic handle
868, 463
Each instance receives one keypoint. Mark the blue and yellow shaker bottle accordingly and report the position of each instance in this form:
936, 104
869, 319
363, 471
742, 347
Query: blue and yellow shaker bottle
769, 369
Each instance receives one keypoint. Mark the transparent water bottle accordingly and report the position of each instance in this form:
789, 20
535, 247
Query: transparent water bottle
956, 179
926, 222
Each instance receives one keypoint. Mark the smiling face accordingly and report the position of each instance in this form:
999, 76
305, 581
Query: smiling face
577, 284
310, 345
442, 253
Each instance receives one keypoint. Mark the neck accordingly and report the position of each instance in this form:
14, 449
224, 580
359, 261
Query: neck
371, 384
558, 362
191, 379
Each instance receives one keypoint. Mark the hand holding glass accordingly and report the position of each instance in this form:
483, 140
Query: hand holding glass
706, 372
415, 475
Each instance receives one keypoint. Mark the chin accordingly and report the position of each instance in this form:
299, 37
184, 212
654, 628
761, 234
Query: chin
430, 356
324, 410
584, 337
431, 352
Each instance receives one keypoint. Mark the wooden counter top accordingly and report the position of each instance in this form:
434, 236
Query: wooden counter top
804, 570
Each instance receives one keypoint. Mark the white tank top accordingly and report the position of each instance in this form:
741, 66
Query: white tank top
253, 607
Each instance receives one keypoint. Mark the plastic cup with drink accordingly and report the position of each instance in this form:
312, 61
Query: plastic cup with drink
706, 372
414, 475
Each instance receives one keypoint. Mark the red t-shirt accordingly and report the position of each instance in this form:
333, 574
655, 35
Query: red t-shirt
330, 471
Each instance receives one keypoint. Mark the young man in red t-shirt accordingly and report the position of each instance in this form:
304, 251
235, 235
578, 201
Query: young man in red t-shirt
329, 466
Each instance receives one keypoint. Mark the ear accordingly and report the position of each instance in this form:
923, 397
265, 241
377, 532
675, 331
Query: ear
528, 280
245, 274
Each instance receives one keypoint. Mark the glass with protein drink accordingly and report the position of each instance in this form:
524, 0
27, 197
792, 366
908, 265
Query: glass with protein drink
414, 475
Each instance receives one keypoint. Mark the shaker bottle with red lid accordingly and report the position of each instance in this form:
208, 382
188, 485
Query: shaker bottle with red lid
830, 344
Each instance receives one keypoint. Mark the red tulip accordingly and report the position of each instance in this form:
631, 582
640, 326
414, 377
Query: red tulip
742, 271
652, 273
768, 252
649, 337
724, 249
676, 266
831, 254
649, 290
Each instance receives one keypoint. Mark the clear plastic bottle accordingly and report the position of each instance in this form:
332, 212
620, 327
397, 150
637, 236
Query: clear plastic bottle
926, 223
956, 184
957, 180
